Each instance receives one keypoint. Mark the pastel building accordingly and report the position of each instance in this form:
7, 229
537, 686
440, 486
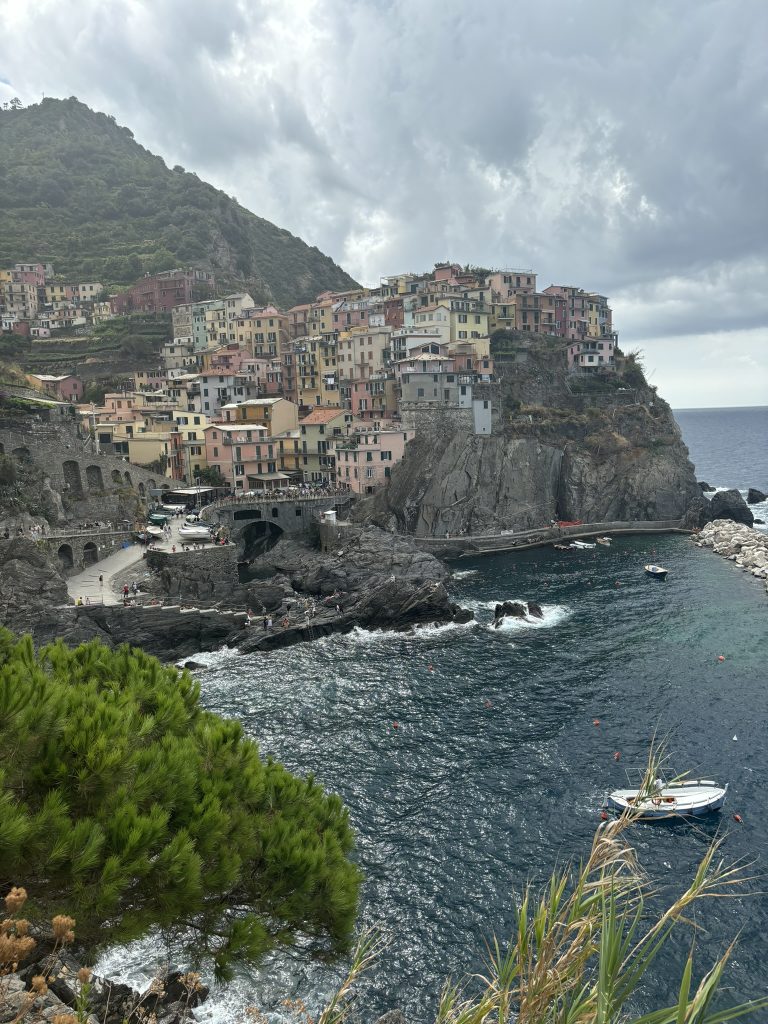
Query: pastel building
591, 355
365, 458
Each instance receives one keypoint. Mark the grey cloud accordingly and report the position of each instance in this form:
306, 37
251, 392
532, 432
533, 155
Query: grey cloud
618, 146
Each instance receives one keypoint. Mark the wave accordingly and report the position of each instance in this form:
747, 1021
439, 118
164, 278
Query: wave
211, 659
419, 632
465, 574
554, 614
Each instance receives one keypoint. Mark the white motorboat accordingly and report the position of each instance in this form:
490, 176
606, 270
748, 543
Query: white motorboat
606, 541
582, 545
688, 798
192, 532
656, 570
154, 531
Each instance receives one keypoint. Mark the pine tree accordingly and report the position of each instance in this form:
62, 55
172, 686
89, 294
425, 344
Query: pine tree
126, 803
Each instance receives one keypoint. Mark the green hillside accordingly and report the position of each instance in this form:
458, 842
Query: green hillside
77, 189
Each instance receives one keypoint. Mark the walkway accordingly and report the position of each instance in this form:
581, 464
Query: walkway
86, 583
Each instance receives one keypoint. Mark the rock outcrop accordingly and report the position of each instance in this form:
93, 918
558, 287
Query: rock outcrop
754, 497
727, 505
746, 547
561, 447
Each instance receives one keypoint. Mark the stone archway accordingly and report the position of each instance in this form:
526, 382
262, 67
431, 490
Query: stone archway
141, 489
22, 453
93, 478
116, 476
65, 557
151, 484
128, 481
257, 538
90, 553
72, 478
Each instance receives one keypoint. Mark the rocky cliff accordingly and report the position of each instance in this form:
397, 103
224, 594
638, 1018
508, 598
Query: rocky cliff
560, 449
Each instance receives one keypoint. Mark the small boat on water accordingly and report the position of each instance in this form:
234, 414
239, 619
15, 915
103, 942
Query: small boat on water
604, 540
688, 798
561, 547
581, 545
658, 571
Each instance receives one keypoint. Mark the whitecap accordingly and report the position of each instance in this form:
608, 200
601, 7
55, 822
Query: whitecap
554, 614
465, 574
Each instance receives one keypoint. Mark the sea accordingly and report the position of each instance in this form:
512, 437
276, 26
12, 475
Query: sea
506, 744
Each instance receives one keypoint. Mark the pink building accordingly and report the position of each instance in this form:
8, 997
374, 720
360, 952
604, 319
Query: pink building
159, 293
66, 388
364, 460
591, 355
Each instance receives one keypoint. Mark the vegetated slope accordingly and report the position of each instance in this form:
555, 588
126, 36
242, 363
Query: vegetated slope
115, 347
563, 447
77, 189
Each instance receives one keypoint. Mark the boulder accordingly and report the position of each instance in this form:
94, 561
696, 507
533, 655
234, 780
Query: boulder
727, 505
535, 610
705, 486
754, 497
513, 609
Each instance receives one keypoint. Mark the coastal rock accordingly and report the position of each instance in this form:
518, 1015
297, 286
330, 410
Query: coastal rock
516, 610
625, 463
705, 486
727, 505
535, 610
30, 584
754, 497
740, 544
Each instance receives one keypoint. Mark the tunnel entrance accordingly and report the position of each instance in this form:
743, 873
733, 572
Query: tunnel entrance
256, 538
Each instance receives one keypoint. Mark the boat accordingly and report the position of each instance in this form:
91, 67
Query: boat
561, 547
581, 545
690, 797
191, 532
191, 519
658, 571
154, 531
157, 519
604, 540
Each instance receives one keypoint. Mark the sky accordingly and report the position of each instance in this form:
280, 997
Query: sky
621, 146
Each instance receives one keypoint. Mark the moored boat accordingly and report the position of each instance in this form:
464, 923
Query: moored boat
581, 545
154, 531
658, 571
190, 532
687, 798
604, 540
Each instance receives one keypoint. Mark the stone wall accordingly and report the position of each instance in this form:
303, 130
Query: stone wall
92, 486
74, 551
205, 577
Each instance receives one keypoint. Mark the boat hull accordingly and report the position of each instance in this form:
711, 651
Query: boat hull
656, 571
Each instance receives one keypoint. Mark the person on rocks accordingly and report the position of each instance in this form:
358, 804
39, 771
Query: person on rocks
265, 622
125, 590
269, 622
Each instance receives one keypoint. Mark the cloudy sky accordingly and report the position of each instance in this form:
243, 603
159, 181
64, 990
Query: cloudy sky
614, 144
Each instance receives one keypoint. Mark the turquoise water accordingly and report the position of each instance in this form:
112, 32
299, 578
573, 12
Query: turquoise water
496, 772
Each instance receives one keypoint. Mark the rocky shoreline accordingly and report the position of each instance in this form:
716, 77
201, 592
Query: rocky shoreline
741, 544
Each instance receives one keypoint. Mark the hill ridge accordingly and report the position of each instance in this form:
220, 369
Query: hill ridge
78, 190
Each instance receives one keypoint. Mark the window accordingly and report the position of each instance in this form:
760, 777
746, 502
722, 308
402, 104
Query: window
369, 474
462, 334
419, 392
275, 513
298, 511
477, 319
462, 318
239, 470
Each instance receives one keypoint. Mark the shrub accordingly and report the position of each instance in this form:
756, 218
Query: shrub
124, 801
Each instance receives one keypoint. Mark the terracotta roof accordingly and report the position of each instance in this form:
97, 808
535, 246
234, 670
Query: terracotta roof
321, 416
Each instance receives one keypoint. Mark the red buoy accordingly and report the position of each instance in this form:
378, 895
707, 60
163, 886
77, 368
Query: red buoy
430, 668
395, 725
595, 721
737, 817
617, 756
603, 816
720, 657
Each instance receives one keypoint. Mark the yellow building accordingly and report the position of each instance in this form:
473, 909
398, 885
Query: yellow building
501, 316
319, 430
363, 351
277, 415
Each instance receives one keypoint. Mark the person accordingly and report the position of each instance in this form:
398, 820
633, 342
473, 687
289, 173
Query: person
125, 590
269, 622
173, 548
265, 622
135, 587
79, 602
285, 621
338, 609
101, 580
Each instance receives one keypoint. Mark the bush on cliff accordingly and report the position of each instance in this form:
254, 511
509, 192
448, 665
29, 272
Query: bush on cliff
129, 805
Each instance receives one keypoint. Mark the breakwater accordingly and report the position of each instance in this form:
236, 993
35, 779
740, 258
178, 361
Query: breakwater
741, 544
